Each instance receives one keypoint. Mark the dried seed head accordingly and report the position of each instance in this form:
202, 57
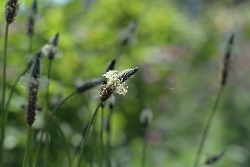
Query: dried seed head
115, 83
89, 84
32, 18
34, 82
214, 159
226, 61
11, 10
31, 108
146, 116
38, 107
126, 74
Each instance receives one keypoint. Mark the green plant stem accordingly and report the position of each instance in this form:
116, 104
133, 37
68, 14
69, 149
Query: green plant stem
144, 149
101, 139
204, 135
87, 132
30, 44
119, 51
56, 122
27, 147
109, 139
3, 95
46, 118
48, 122
11, 93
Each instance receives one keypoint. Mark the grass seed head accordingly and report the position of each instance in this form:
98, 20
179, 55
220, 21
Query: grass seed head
32, 18
212, 160
226, 61
89, 84
11, 10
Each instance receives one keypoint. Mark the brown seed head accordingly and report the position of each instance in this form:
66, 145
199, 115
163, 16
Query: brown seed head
126, 74
214, 159
89, 84
226, 61
32, 18
11, 10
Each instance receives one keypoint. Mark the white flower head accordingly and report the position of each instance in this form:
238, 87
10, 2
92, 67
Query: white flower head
115, 82
51, 51
112, 77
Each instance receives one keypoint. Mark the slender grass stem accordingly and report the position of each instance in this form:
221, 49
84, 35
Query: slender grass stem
11, 94
30, 44
3, 95
119, 51
27, 147
48, 122
204, 135
55, 121
47, 108
108, 150
87, 132
144, 149
101, 138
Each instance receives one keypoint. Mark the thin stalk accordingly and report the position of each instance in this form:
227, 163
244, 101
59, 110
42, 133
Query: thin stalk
204, 135
55, 121
109, 139
119, 51
48, 122
30, 44
101, 139
11, 94
3, 94
144, 149
87, 132
27, 147
46, 118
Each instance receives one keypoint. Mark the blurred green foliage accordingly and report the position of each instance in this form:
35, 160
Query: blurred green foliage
178, 47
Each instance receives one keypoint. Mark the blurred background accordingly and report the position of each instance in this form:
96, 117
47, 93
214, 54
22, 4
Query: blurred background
178, 46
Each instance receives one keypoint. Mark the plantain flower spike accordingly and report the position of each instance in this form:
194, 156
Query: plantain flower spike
11, 10
34, 83
226, 61
115, 82
32, 18
51, 50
